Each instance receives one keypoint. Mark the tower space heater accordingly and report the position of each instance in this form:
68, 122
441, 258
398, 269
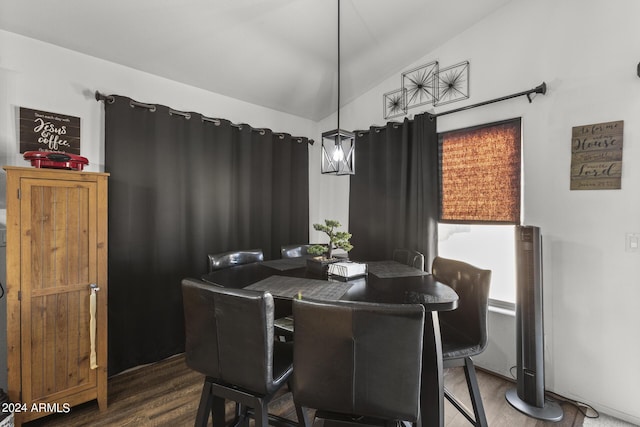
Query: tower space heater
528, 396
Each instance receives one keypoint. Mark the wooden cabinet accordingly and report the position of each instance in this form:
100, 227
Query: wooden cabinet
56, 260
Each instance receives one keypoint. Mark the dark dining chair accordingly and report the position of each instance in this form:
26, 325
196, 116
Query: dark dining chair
356, 362
464, 330
232, 258
229, 339
409, 257
294, 251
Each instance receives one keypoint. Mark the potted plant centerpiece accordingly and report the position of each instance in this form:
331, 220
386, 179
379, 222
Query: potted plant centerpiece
324, 253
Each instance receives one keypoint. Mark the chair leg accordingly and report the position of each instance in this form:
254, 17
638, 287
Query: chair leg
474, 393
218, 412
260, 414
241, 418
460, 406
206, 402
303, 416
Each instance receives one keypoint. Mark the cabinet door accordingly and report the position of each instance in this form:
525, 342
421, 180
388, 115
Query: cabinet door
58, 242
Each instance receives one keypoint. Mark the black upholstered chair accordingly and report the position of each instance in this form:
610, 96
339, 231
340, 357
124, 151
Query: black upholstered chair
229, 259
358, 363
229, 338
464, 330
409, 257
294, 251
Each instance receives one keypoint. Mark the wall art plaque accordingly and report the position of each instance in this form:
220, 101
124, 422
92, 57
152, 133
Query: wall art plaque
596, 156
45, 131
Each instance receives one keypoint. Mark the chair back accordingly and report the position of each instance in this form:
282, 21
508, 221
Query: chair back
472, 285
232, 258
409, 257
358, 358
294, 251
229, 334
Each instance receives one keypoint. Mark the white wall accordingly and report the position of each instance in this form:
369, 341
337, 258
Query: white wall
587, 52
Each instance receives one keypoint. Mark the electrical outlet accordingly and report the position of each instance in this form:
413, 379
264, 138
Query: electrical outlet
632, 242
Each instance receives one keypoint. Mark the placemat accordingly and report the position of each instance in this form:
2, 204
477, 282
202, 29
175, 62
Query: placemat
386, 269
288, 287
286, 263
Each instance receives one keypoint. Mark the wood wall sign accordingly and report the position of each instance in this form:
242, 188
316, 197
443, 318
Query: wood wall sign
596, 156
45, 131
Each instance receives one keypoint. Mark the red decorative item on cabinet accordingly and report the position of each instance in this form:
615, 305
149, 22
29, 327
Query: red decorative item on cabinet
55, 160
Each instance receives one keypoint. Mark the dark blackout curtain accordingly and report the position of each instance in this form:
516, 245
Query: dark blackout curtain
393, 200
180, 189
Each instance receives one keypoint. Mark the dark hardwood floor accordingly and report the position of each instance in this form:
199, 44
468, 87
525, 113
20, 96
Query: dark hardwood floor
167, 393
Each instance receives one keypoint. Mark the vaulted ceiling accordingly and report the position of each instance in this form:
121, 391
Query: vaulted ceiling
281, 54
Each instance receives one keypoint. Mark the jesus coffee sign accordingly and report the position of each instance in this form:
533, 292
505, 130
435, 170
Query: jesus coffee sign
45, 131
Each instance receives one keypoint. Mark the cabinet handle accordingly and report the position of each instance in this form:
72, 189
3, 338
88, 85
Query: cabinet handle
92, 324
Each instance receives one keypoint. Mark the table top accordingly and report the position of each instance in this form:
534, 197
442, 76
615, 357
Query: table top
386, 282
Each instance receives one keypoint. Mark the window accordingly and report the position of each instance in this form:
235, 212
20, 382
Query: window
486, 246
480, 181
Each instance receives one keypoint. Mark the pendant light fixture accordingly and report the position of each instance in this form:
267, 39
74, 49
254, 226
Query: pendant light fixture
338, 145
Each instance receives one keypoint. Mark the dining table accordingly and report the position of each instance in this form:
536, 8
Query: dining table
385, 281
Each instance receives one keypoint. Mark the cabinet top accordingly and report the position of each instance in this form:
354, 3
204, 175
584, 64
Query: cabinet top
40, 171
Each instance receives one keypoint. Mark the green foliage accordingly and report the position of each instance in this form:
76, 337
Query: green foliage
337, 239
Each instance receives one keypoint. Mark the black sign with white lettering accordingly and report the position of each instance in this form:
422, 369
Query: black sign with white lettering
44, 131
596, 156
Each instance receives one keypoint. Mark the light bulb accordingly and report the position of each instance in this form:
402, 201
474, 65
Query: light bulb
338, 154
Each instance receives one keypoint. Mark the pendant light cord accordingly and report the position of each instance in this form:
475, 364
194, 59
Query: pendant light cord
338, 67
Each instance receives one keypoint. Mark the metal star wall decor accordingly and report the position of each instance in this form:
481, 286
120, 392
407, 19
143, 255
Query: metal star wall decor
394, 104
452, 83
419, 85
428, 84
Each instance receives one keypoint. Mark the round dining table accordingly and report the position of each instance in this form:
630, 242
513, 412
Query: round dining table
384, 282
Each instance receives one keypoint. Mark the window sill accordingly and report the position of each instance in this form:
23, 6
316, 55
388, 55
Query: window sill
502, 307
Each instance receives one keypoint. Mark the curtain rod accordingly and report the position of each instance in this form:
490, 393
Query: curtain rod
542, 88
151, 107
538, 89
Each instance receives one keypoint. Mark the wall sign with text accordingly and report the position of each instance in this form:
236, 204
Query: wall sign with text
45, 131
596, 156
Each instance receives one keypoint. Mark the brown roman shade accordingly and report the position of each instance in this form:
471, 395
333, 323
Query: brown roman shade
480, 174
